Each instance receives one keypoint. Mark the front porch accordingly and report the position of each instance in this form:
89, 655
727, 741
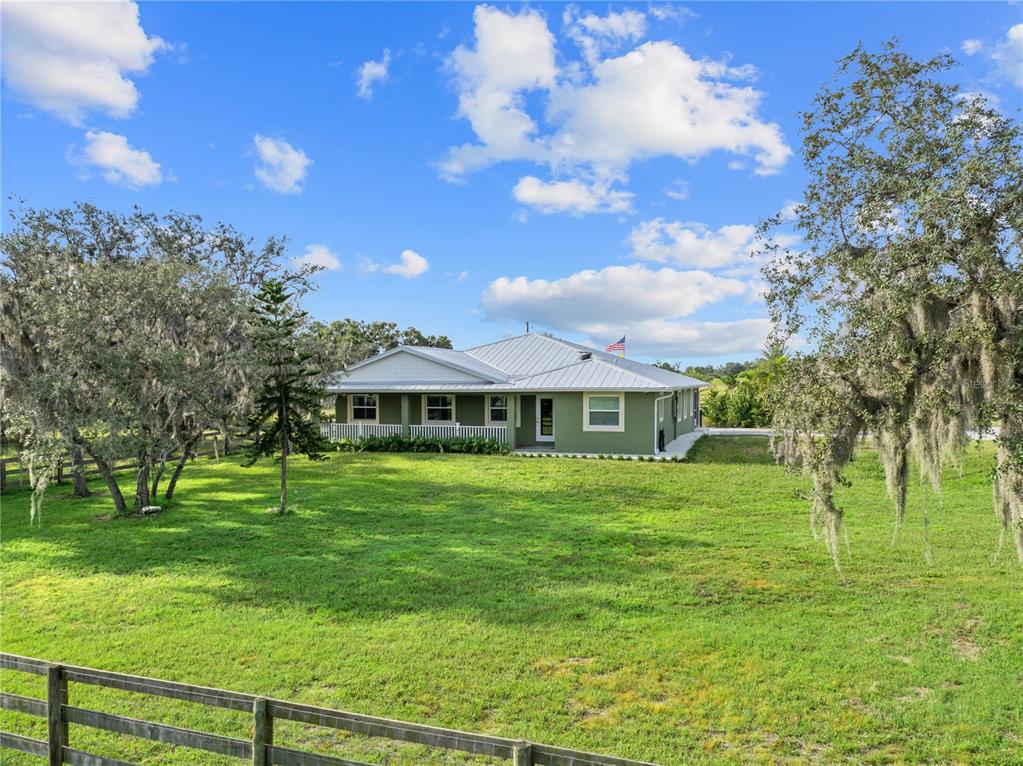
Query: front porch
415, 415
336, 432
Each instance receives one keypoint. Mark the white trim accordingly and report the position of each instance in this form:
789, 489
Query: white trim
680, 405
351, 418
518, 409
554, 428
486, 410
446, 362
454, 410
621, 411
657, 422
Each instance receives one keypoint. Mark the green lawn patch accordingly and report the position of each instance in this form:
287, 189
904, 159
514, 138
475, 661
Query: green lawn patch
674, 612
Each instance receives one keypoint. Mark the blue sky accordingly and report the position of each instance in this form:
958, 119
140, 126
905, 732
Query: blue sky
595, 169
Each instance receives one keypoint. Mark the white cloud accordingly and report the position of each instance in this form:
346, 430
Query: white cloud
971, 47
368, 266
70, 58
691, 244
573, 196
514, 54
319, 256
596, 35
678, 190
117, 160
1008, 56
372, 72
672, 12
657, 101
410, 265
283, 167
790, 210
628, 293
648, 305
663, 339
653, 101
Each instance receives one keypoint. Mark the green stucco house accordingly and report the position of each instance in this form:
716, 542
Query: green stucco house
534, 392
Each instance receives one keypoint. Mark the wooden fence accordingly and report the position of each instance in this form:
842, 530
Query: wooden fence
260, 750
210, 445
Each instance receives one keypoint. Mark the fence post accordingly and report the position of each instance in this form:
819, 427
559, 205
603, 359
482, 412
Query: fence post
56, 726
262, 731
522, 754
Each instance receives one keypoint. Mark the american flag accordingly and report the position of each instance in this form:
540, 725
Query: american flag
618, 346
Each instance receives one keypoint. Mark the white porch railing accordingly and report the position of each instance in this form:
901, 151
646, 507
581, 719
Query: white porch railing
335, 432
497, 433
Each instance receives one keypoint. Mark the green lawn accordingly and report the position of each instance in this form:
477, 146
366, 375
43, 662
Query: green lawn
674, 612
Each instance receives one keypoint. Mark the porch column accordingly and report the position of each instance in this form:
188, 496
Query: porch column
406, 417
511, 419
339, 403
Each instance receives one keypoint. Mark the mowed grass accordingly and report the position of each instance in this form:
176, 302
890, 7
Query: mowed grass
677, 613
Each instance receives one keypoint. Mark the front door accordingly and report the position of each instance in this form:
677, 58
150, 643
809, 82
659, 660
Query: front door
544, 419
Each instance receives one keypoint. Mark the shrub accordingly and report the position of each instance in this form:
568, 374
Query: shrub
472, 445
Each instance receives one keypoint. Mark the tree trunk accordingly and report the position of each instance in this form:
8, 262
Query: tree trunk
186, 453
158, 474
225, 434
78, 472
142, 481
284, 471
108, 476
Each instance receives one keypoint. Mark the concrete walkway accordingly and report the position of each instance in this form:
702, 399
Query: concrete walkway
674, 450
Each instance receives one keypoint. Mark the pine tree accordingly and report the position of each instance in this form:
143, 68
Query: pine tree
280, 423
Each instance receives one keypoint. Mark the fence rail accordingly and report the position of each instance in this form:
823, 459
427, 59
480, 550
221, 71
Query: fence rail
259, 749
211, 445
335, 432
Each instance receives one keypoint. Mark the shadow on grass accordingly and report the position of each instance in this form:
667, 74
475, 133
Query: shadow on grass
369, 537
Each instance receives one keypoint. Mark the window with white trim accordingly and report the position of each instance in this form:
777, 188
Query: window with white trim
497, 409
660, 409
363, 408
604, 412
679, 406
439, 408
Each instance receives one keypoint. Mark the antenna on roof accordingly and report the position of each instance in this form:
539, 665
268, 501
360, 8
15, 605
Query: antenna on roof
527, 328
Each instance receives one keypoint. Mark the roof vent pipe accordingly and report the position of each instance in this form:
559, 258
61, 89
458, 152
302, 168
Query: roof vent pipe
584, 355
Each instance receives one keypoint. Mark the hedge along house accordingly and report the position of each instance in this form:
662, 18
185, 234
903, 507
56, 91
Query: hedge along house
533, 392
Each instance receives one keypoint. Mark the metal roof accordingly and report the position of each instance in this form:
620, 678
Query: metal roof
527, 354
530, 362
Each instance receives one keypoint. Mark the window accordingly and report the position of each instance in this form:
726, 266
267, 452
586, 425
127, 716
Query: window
363, 408
660, 409
497, 410
604, 412
440, 408
679, 406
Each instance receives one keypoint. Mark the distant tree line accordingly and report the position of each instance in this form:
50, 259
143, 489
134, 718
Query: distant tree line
739, 394
344, 342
